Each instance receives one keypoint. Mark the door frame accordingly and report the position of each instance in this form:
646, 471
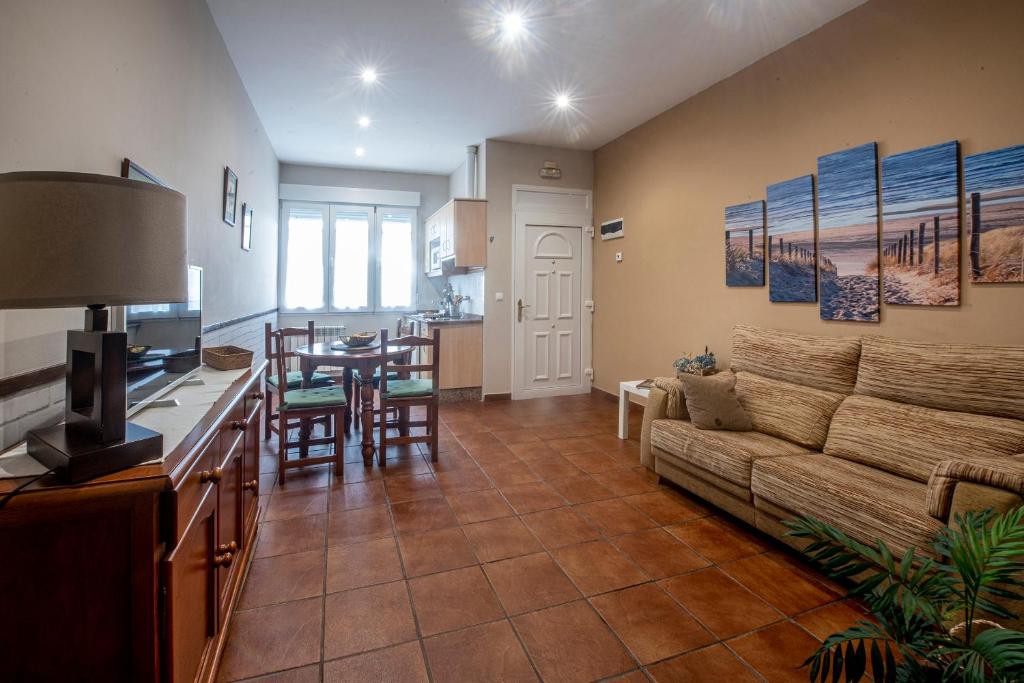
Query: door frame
555, 206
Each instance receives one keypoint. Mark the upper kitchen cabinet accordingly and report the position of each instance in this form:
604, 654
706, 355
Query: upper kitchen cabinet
456, 237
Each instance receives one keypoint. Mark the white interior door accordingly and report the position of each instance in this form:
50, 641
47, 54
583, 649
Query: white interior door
549, 306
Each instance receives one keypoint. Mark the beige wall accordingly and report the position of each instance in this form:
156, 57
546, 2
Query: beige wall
905, 73
506, 164
84, 84
87, 83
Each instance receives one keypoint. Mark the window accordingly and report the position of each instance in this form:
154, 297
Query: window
347, 258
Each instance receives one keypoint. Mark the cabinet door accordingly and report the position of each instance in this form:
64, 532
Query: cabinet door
251, 465
229, 511
448, 228
470, 233
189, 578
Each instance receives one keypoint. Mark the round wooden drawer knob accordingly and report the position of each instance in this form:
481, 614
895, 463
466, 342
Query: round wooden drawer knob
213, 476
223, 560
251, 485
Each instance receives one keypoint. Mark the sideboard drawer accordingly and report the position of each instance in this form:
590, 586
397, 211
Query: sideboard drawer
200, 479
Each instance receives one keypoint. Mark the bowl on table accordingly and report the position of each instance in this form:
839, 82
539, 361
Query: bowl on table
137, 351
358, 339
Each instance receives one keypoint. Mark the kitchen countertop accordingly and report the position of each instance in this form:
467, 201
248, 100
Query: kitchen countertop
466, 318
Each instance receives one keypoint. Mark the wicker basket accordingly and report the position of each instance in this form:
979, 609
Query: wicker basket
227, 357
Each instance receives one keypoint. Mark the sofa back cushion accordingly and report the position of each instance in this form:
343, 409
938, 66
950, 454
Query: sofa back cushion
788, 411
910, 440
986, 380
826, 363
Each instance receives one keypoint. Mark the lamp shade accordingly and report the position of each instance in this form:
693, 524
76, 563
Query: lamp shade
77, 239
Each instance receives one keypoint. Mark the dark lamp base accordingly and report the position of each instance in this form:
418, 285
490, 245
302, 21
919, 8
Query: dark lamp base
76, 457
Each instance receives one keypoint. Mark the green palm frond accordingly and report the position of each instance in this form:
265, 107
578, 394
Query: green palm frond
911, 584
911, 598
984, 553
994, 655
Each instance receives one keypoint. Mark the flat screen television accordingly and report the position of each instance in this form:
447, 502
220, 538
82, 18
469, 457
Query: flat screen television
163, 344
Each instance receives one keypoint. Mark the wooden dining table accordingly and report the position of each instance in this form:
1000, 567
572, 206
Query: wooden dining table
365, 360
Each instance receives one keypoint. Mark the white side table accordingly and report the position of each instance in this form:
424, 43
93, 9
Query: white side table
625, 389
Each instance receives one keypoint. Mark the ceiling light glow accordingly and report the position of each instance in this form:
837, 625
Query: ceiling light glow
360, 152
563, 101
512, 25
369, 75
364, 121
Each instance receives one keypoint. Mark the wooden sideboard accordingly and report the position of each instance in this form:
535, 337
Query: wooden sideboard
133, 576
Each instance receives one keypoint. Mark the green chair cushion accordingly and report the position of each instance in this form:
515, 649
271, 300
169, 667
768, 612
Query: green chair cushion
376, 377
318, 397
408, 388
295, 379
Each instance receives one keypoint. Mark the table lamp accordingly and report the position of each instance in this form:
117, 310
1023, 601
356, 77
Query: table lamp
78, 239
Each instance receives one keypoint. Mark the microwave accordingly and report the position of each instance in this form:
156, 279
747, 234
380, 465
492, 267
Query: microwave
434, 251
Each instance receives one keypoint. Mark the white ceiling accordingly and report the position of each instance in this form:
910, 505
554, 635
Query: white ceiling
447, 79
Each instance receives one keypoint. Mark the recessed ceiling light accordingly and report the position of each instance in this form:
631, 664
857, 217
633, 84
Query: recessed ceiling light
364, 121
562, 101
360, 152
512, 25
369, 75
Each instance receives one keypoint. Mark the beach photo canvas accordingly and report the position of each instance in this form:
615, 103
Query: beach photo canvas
994, 194
744, 245
792, 251
921, 226
848, 284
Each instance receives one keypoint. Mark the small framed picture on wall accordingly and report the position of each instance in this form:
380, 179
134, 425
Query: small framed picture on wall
246, 227
230, 195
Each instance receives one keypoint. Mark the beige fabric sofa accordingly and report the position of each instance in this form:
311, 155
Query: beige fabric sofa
882, 438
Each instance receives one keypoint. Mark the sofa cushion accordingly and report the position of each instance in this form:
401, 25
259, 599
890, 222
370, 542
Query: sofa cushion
729, 455
911, 440
789, 411
711, 402
987, 380
863, 502
826, 363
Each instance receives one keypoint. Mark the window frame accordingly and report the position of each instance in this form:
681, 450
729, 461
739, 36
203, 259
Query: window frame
329, 211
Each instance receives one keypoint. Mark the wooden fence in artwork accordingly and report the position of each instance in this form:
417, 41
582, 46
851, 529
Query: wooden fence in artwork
785, 250
750, 240
908, 248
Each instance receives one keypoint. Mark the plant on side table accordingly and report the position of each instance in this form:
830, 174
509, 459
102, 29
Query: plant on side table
914, 599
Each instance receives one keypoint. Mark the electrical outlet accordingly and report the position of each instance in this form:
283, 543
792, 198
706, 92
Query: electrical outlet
618, 257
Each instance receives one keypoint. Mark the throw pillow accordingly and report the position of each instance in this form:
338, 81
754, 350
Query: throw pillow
712, 402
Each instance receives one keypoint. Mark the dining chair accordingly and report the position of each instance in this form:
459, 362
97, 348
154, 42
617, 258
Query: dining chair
403, 394
401, 328
320, 405
291, 337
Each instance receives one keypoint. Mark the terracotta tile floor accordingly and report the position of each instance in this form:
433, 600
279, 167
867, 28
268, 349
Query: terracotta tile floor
536, 548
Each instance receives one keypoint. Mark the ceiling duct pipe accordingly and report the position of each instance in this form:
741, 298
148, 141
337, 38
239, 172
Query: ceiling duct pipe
471, 152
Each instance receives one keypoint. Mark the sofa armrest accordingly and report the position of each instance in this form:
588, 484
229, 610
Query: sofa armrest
657, 401
1002, 473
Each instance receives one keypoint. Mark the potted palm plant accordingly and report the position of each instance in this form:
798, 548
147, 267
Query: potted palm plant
927, 613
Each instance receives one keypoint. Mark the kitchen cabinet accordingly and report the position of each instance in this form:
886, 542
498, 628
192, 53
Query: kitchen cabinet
461, 362
456, 236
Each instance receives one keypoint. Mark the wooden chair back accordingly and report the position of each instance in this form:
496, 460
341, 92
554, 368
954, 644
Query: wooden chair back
433, 343
281, 345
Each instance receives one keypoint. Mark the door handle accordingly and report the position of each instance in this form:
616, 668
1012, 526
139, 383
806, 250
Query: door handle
519, 310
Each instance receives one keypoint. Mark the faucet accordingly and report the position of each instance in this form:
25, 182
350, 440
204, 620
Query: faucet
450, 301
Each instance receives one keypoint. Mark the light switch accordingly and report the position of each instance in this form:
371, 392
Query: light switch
618, 257
499, 296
